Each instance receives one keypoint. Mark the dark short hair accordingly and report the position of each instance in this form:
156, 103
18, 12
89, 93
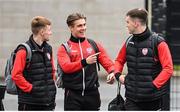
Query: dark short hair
139, 13
38, 23
73, 17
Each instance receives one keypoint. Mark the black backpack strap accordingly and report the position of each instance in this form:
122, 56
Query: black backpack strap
155, 43
96, 49
156, 39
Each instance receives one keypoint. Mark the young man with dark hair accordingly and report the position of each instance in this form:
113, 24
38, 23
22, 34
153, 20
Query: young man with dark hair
80, 76
35, 81
149, 64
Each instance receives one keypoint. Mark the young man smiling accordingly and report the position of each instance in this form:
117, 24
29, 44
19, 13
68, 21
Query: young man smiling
80, 77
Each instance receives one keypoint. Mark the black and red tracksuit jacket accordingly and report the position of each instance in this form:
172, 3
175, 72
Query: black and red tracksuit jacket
78, 75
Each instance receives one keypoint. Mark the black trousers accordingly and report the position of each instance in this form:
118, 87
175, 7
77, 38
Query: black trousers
150, 105
73, 100
28, 107
1, 106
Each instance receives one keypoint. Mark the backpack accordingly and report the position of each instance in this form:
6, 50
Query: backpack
10, 85
59, 81
155, 38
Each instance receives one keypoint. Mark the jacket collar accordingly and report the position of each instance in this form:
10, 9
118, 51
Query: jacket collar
76, 39
35, 45
142, 36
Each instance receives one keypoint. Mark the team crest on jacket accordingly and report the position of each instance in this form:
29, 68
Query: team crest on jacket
144, 51
48, 55
89, 50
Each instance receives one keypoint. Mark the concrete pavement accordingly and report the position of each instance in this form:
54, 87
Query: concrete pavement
107, 92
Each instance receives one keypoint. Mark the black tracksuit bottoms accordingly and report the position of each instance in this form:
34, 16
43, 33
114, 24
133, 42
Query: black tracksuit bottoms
147, 105
31, 107
74, 100
1, 105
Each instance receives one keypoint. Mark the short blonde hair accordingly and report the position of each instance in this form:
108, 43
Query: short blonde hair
38, 23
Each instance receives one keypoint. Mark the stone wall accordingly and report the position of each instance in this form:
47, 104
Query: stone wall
105, 22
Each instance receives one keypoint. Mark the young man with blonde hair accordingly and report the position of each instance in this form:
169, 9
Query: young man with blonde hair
35, 81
